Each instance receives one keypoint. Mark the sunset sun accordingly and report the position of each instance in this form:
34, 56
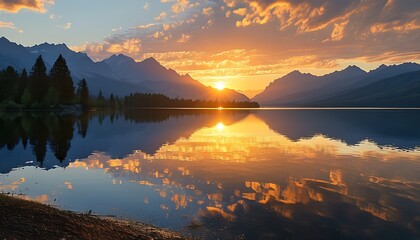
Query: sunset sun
220, 85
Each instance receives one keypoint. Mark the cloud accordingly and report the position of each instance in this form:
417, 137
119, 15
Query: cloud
305, 15
67, 26
208, 11
180, 6
342, 18
240, 11
7, 25
252, 42
184, 38
15, 6
161, 16
338, 32
10, 25
183, 5
130, 47
236, 65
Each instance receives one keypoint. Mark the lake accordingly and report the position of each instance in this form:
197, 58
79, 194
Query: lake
227, 174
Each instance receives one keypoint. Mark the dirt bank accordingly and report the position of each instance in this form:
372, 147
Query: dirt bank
22, 219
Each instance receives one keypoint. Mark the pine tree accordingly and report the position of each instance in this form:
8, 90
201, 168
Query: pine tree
101, 96
21, 85
61, 80
8, 83
83, 92
112, 101
38, 83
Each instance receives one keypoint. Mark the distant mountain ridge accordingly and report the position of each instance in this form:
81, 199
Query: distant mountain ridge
303, 89
122, 75
118, 74
399, 91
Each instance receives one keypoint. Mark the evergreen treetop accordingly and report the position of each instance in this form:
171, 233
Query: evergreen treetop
38, 86
61, 80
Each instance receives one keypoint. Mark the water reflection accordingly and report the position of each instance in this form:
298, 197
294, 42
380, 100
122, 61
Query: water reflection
238, 173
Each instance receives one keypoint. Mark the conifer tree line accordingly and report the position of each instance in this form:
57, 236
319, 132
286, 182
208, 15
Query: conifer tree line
41, 90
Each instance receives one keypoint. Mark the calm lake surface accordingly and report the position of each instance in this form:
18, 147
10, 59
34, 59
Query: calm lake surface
227, 174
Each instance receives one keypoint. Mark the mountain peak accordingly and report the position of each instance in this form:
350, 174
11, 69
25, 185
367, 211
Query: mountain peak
295, 73
354, 69
61, 47
150, 60
120, 58
151, 63
4, 39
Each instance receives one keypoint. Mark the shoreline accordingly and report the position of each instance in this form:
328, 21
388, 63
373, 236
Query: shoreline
23, 219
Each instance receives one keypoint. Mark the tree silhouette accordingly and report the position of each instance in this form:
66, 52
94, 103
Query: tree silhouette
82, 125
112, 103
21, 85
83, 92
8, 83
61, 80
61, 137
38, 84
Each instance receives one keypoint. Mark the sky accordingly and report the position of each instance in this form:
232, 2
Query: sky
244, 43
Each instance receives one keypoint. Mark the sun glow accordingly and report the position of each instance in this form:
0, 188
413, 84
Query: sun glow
220, 85
220, 126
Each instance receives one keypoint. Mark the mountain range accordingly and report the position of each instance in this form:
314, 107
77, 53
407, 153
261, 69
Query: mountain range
386, 86
119, 74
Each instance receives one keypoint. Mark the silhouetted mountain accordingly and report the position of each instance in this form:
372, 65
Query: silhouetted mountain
296, 85
398, 91
14, 55
291, 83
150, 74
297, 89
250, 92
118, 74
384, 71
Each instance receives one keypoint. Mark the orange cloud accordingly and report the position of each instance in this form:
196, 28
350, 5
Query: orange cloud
183, 5
7, 25
240, 11
338, 32
237, 66
184, 38
15, 6
395, 26
208, 11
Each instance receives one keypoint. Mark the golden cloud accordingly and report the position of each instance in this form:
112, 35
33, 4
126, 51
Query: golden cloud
208, 11
236, 65
15, 6
180, 6
184, 38
395, 26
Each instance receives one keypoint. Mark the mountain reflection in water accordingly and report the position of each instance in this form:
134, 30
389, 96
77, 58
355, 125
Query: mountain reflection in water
255, 174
